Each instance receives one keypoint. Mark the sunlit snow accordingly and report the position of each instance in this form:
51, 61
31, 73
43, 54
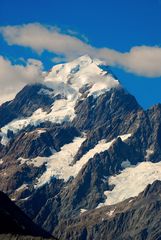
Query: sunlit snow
59, 164
22, 187
83, 71
82, 210
131, 181
111, 212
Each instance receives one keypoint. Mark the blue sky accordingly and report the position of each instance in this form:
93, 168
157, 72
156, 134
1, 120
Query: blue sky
114, 24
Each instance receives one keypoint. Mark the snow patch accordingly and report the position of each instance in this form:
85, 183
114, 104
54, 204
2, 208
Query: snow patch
13, 199
22, 187
25, 199
131, 181
4, 138
59, 164
125, 136
36, 162
83, 210
111, 212
40, 131
37, 131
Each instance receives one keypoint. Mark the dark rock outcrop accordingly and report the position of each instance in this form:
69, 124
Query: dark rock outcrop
15, 222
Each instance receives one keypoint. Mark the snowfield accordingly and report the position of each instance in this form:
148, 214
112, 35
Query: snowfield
131, 181
59, 165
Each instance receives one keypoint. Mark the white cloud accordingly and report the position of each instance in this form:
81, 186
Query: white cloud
42, 38
14, 77
141, 60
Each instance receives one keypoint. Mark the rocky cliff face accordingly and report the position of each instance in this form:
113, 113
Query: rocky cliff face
135, 218
15, 222
78, 142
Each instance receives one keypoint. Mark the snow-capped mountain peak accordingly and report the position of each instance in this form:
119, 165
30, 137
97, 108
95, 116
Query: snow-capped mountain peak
65, 85
80, 142
83, 71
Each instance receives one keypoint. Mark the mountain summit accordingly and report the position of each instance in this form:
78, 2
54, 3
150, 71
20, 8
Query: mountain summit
91, 74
